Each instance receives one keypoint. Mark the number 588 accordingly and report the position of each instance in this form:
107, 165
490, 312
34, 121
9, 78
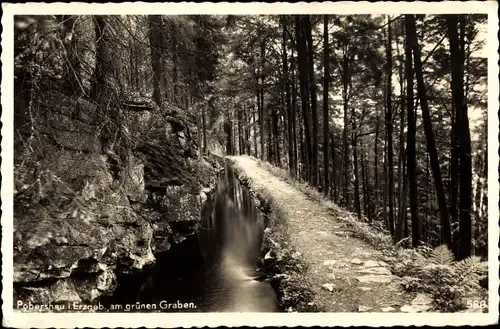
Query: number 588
476, 304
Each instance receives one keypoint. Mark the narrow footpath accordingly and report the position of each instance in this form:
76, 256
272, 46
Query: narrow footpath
347, 274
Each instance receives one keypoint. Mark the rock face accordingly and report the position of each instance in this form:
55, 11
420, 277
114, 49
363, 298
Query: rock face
84, 213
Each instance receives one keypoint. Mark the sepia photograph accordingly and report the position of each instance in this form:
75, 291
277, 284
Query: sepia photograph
298, 162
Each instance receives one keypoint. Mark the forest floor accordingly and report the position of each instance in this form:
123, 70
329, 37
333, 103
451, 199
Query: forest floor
344, 272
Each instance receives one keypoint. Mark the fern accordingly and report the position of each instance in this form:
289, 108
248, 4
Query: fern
441, 255
472, 265
471, 270
447, 281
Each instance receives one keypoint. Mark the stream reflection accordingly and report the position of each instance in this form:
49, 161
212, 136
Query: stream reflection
230, 240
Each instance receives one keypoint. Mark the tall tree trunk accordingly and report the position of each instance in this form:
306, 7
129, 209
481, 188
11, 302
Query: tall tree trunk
247, 132
326, 84
270, 154
376, 188
389, 125
345, 168
73, 67
401, 164
234, 132
411, 140
254, 120
429, 133
241, 147
357, 203
294, 117
228, 129
276, 139
156, 42
175, 64
304, 93
314, 105
290, 116
261, 98
136, 66
385, 184
104, 89
130, 73
303, 156
261, 124
453, 186
364, 178
457, 57
105, 73
333, 182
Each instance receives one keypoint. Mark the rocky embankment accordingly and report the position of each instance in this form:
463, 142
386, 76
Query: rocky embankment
84, 213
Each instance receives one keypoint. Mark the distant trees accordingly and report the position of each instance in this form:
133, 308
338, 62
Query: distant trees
390, 151
398, 137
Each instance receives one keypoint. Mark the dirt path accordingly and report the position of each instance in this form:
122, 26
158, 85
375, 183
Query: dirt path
348, 275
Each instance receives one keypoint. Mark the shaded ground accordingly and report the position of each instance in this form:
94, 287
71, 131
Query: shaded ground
345, 273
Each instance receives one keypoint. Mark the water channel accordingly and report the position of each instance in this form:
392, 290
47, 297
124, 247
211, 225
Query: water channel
216, 269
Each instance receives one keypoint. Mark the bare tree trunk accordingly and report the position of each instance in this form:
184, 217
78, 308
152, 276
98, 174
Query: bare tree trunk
462, 123
241, 147
275, 139
345, 168
431, 142
72, 73
376, 188
155, 39
294, 119
247, 131
410, 142
290, 115
136, 66
303, 156
270, 155
389, 125
357, 203
366, 203
401, 167
175, 63
261, 124
314, 105
304, 93
326, 84
333, 176
261, 98
254, 119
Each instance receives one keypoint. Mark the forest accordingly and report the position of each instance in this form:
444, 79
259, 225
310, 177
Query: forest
386, 115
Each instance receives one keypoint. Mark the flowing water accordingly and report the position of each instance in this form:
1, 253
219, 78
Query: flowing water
216, 269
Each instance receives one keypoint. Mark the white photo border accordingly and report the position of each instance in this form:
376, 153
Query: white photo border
39, 320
